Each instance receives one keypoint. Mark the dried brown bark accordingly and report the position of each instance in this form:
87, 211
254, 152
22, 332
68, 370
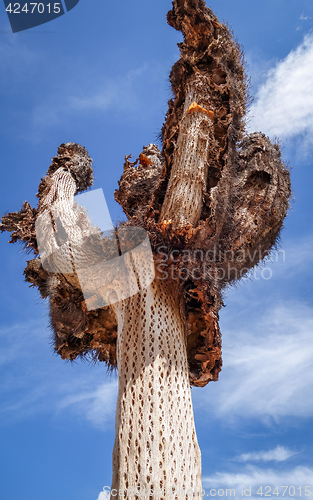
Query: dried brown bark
219, 193
228, 194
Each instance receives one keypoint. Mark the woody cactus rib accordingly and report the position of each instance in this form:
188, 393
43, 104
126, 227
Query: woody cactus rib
187, 184
213, 202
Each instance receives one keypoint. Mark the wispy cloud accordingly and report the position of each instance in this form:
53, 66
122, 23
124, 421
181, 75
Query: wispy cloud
258, 66
121, 94
118, 94
97, 406
280, 454
104, 495
284, 103
289, 261
256, 477
18, 339
267, 367
64, 389
90, 92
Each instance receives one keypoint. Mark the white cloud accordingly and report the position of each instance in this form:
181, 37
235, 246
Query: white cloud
295, 256
280, 454
284, 103
19, 339
98, 406
267, 369
255, 477
33, 381
126, 94
290, 261
118, 94
258, 66
104, 495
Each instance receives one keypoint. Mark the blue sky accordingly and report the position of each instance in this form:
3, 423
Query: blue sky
99, 76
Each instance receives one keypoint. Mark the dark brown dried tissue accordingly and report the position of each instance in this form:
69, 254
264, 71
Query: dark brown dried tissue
245, 201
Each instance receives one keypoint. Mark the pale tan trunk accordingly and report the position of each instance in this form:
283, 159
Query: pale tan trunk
155, 443
187, 185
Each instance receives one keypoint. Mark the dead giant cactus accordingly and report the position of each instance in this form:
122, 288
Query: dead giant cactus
213, 203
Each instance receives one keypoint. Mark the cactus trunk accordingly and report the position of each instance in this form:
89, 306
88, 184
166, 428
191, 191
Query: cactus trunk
188, 181
156, 449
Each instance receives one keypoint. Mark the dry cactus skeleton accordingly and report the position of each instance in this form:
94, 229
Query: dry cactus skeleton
213, 203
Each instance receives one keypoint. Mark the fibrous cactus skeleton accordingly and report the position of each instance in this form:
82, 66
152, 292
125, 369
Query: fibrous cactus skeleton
213, 202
